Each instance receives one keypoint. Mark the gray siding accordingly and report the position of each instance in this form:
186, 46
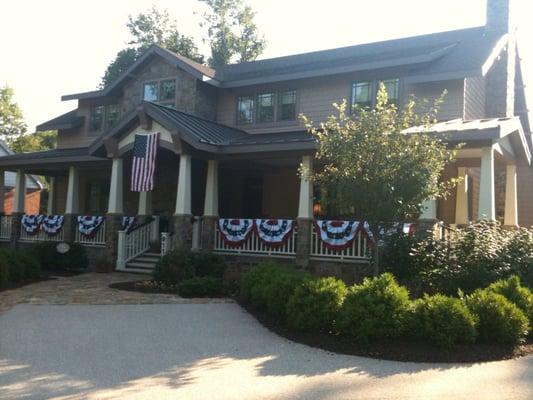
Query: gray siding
452, 107
474, 103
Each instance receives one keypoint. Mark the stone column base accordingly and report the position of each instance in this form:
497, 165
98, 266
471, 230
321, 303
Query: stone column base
113, 224
70, 225
303, 241
183, 231
208, 232
16, 226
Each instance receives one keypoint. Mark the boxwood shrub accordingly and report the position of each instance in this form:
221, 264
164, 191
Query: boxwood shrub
18, 266
205, 286
517, 294
315, 304
254, 281
376, 309
50, 259
442, 320
4, 273
499, 320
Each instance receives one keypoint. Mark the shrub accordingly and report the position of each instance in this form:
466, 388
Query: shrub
442, 320
254, 281
517, 294
279, 288
499, 320
315, 304
174, 267
206, 264
378, 308
19, 266
50, 259
397, 257
4, 273
205, 286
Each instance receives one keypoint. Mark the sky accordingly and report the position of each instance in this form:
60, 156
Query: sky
56, 47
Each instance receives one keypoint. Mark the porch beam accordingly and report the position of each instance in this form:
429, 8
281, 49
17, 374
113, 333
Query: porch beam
511, 203
51, 196
115, 203
211, 189
20, 192
183, 195
487, 203
461, 197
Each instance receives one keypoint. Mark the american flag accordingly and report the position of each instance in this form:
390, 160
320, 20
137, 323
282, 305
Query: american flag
143, 167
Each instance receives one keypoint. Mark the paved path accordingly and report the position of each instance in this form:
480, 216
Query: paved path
212, 351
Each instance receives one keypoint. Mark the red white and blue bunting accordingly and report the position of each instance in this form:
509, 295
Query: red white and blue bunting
52, 224
234, 232
274, 232
339, 235
128, 223
88, 225
31, 223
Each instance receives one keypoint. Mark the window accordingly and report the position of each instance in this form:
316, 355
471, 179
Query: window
167, 90
96, 118
287, 106
245, 110
265, 107
150, 91
362, 94
112, 113
393, 90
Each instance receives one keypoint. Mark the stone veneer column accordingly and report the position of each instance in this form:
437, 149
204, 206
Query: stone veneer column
210, 217
113, 225
511, 204
115, 210
18, 206
183, 214
305, 215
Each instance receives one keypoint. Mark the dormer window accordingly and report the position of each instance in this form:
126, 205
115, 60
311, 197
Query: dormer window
112, 113
96, 118
163, 91
150, 91
364, 92
103, 117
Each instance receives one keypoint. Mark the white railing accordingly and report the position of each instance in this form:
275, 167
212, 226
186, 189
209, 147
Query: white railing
359, 250
135, 242
167, 242
98, 239
6, 222
254, 246
40, 236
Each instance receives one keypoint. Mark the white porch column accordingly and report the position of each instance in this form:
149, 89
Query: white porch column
183, 196
72, 206
511, 206
145, 203
211, 189
20, 192
115, 191
51, 196
461, 197
305, 206
429, 209
487, 203
2, 192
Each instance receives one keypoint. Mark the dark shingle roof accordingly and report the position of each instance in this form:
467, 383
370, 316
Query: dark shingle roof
68, 120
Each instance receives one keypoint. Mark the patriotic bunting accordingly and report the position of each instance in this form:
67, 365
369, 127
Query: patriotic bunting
234, 232
128, 223
52, 224
89, 225
31, 223
336, 235
274, 232
143, 166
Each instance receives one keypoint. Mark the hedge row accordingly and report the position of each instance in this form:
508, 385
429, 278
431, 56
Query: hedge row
17, 266
380, 308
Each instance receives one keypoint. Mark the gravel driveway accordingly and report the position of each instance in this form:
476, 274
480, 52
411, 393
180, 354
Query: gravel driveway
211, 351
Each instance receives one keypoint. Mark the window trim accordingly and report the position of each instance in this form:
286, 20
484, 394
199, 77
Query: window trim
253, 119
158, 83
144, 90
102, 119
373, 93
278, 118
374, 90
276, 122
274, 108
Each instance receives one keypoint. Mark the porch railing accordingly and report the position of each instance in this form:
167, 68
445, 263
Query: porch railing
41, 236
254, 246
98, 239
6, 221
135, 242
359, 250
167, 242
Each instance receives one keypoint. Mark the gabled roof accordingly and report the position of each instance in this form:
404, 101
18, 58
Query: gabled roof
68, 120
32, 181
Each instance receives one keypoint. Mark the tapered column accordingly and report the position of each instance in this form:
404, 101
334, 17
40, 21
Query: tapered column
429, 209
51, 196
2, 192
305, 214
487, 204
210, 206
72, 206
511, 206
115, 204
183, 215
461, 197
145, 204
20, 192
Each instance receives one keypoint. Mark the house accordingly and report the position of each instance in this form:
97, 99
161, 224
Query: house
231, 142
34, 188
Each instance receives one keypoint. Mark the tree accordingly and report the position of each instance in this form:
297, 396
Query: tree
37, 141
146, 29
11, 120
371, 169
231, 32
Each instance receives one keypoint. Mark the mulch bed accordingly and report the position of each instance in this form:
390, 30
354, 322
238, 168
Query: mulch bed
397, 350
143, 286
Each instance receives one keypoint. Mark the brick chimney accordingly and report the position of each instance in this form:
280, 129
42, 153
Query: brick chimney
500, 80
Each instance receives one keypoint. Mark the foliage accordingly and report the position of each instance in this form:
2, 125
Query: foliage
315, 304
50, 259
372, 169
38, 141
206, 264
146, 29
11, 119
19, 266
517, 294
232, 33
4, 273
397, 258
376, 309
442, 320
206, 286
499, 320
254, 281
280, 288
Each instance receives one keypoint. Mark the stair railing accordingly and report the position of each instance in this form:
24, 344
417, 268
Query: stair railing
134, 242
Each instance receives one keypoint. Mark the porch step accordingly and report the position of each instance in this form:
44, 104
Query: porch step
144, 263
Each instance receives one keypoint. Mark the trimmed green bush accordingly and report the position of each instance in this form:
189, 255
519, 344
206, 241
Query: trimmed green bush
204, 286
442, 320
279, 288
376, 309
50, 259
206, 264
254, 281
315, 304
499, 320
18, 266
4, 273
174, 267
517, 294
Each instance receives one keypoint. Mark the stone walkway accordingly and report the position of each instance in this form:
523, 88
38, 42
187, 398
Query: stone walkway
89, 288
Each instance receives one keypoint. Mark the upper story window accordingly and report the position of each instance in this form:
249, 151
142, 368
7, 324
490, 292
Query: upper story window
112, 113
287, 106
245, 110
163, 91
96, 118
362, 94
103, 117
265, 107
392, 86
